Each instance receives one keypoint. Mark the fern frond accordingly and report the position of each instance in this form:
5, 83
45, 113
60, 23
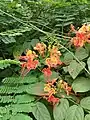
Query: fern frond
20, 117
6, 99
24, 99
19, 108
9, 90
20, 80
17, 99
7, 62
15, 32
3, 110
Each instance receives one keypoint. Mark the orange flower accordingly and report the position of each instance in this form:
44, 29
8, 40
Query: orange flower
79, 40
54, 51
53, 61
47, 72
32, 64
31, 54
40, 47
82, 36
53, 99
66, 87
84, 28
51, 90
29, 63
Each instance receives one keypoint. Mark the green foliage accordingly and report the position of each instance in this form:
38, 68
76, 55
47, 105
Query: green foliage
8, 62
85, 103
75, 68
75, 113
88, 62
23, 23
81, 84
20, 116
41, 112
81, 53
60, 110
87, 117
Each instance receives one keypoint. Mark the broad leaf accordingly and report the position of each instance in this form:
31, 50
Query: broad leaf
60, 110
68, 58
36, 89
34, 42
41, 112
75, 113
81, 84
88, 62
81, 53
85, 103
87, 117
75, 68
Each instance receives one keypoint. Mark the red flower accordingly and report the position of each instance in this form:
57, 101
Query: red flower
53, 100
79, 40
53, 61
30, 62
47, 72
40, 47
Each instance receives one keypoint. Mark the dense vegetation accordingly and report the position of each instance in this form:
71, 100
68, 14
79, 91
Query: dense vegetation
44, 60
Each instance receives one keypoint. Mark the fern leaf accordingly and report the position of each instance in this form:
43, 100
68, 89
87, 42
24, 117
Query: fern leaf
6, 99
9, 90
19, 108
3, 110
7, 39
20, 117
15, 32
24, 98
19, 80
8, 62
17, 99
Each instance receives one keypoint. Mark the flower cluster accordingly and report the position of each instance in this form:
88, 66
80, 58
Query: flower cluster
41, 48
54, 59
51, 90
82, 36
64, 85
47, 72
29, 61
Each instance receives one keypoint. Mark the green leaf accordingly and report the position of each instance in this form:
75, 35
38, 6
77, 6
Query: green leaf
20, 117
85, 103
34, 42
20, 80
81, 84
75, 113
17, 51
60, 110
81, 53
87, 117
2, 110
88, 63
68, 58
75, 68
7, 39
7, 62
54, 75
24, 98
19, 108
41, 112
36, 89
